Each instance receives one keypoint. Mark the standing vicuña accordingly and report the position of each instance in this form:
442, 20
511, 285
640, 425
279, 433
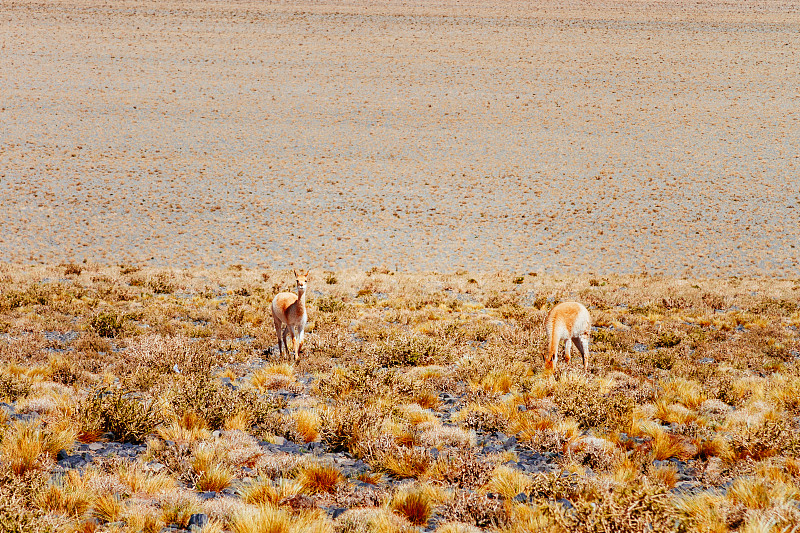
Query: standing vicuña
290, 309
568, 321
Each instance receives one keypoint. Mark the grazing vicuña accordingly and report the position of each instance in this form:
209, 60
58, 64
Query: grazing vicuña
567, 321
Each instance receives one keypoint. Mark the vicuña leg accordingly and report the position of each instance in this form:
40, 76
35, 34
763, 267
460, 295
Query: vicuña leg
582, 344
281, 338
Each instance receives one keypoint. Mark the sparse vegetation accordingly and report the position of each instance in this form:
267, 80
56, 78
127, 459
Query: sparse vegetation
409, 406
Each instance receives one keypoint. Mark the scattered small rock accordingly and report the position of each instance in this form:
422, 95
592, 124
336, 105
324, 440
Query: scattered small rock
197, 521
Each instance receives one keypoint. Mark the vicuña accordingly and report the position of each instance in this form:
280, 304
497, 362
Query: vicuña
290, 309
568, 321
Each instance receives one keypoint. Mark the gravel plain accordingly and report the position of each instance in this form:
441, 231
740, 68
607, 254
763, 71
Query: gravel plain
605, 137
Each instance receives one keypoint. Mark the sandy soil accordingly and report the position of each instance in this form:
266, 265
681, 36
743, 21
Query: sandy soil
528, 136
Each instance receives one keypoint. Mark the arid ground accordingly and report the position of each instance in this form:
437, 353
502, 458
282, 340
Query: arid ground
606, 137
153, 400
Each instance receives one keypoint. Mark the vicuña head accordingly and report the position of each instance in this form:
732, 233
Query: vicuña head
568, 321
289, 309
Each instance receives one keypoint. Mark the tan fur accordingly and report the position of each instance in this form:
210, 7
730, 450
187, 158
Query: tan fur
289, 310
569, 321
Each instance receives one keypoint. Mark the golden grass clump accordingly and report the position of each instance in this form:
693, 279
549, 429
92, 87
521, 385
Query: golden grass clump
315, 478
177, 507
687, 392
187, 427
413, 504
273, 377
141, 481
703, 512
209, 464
667, 475
265, 491
508, 482
215, 478
626, 471
374, 520
307, 424
402, 462
717, 446
457, 527
667, 445
271, 519
239, 421
756, 493
26, 445
70, 495
142, 517
107, 508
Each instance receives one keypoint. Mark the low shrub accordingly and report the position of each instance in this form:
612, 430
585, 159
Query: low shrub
359, 381
71, 269
667, 339
19, 511
770, 438
660, 359
462, 468
216, 402
714, 301
485, 420
129, 417
772, 306
64, 371
148, 358
14, 386
607, 340
161, 283
499, 299
633, 508
404, 350
106, 324
33, 295
593, 409
346, 425
329, 304
475, 508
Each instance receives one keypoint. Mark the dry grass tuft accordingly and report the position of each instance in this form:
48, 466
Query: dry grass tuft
107, 508
317, 478
508, 482
26, 445
273, 377
402, 462
271, 519
266, 492
178, 507
413, 504
209, 465
240, 421
307, 424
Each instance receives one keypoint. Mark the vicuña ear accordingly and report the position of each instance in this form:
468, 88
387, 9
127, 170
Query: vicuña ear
295, 272
308, 272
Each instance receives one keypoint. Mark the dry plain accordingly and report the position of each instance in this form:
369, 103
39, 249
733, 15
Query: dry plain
608, 137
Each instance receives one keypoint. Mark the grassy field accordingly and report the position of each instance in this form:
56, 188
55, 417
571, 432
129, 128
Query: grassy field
153, 400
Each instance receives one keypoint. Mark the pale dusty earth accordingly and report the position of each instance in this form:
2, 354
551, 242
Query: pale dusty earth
605, 137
